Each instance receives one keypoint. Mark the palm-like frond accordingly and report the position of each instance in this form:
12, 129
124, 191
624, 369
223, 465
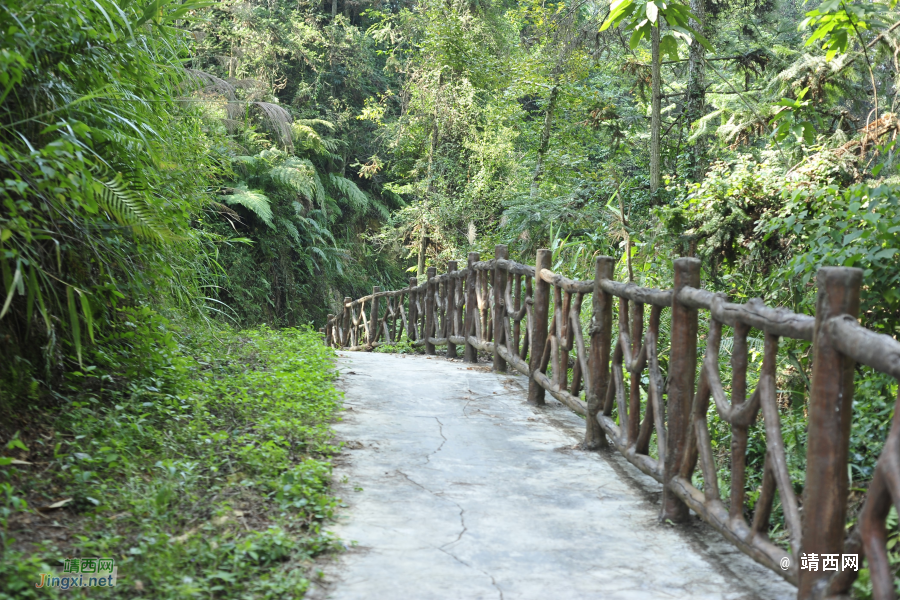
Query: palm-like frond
254, 201
130, 209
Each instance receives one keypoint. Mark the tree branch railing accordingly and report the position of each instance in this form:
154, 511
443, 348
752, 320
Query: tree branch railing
531, 319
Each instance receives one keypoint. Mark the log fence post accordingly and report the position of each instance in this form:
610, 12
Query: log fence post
429, 311
372, 333
540, 310
345, 338
830, 408
450, 303
517, 304
682, 369
470, 353
499, 312
598, 360
412, 328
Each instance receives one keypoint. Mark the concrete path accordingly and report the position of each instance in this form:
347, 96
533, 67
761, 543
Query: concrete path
458, 489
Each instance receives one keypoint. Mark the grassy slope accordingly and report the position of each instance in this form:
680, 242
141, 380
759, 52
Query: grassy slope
208, 480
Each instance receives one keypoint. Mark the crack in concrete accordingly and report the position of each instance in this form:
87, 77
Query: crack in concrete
465, 564
462, 522
441, 431
462, 512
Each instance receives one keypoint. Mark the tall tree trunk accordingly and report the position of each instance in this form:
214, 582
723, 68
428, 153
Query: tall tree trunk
696, 93
545, 141
333, 8
655, 119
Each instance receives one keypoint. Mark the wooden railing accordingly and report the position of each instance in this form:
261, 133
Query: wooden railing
483, 306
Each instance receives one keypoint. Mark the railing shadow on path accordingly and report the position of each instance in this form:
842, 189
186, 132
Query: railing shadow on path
665, 432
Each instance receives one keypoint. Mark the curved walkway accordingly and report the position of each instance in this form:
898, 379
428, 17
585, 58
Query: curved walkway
456, 488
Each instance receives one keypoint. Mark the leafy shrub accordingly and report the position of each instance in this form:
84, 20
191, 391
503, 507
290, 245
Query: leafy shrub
856, 226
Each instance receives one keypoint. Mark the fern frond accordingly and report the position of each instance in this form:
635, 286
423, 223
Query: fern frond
300, 176
131, 210
316, 230
357, 198
254, 201
310, 122
333, 145
308, 139
292, 230
380, 208
250, 166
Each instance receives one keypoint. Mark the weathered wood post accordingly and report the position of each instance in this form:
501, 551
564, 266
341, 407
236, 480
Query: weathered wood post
372, 333
830, 408
516, 282
450, 303
682, 367
429, 310
598, 360
499, 315
329, 325
540, 309
345, 339
470, 354
412, 327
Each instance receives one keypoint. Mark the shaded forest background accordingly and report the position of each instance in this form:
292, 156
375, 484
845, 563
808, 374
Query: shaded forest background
168, 168
254, 162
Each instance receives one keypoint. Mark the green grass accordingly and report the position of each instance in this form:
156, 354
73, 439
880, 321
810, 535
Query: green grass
208, 480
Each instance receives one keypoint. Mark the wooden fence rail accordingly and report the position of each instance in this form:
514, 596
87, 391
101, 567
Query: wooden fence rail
503, 308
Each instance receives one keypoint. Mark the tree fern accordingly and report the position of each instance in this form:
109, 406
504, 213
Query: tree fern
254, 201
130, 209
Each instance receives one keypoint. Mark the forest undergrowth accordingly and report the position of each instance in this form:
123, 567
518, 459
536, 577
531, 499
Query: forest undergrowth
208, 477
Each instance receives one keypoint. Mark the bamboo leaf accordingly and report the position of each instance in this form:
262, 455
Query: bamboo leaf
73, 320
